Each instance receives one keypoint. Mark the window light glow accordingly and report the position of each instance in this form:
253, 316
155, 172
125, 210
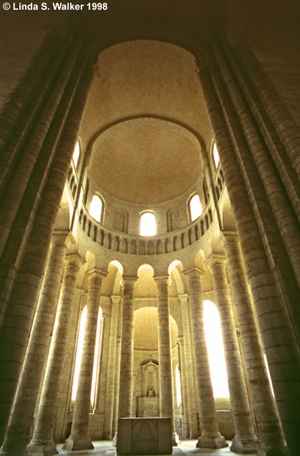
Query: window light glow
214, 342
216, 155
76, 154
96, 368
147, 224
178, 386
96, 208
79, 354
195, 207
97, 352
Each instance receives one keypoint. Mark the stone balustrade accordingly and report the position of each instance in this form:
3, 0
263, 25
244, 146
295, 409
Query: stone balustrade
138, 245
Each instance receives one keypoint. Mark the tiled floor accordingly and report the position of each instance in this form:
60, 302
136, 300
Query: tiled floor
185, 448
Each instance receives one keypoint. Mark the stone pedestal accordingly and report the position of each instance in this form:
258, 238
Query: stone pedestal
139, 436
148, 406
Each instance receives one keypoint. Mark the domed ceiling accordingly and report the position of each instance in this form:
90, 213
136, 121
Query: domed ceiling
146, 161
146, 122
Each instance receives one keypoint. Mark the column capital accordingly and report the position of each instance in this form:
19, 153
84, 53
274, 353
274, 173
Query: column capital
215, 258
74, 260
129, 280
115, 299
183, 298
96, 272
162, 280
193, 272
63, 237
229, 236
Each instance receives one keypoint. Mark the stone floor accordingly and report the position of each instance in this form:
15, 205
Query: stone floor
185, 448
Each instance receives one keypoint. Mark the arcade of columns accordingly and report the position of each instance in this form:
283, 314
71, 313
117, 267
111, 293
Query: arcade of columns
255, 268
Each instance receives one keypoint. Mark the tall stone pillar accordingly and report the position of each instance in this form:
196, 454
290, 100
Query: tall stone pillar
264, 183
24, 285
266, 415
127, 347
21, 418
42, 439
79, 438
245, 440
210, 435
112, 352
278, 328
189, 369
166, 406
284, 124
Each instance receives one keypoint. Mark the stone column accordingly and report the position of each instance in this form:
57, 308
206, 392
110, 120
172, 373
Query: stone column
189, 369
210, 435
266, 415
79, 438
112, 352
42, 439
127, 347
283, 122
24, 292
278, 330
245, 440
21, 418
166, 406
264, 181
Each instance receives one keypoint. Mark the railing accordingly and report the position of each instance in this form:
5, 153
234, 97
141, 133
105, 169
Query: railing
137, 245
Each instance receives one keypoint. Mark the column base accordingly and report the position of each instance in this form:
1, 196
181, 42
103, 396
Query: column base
41, 448
245, 446
78, 442
175, 439
217, 441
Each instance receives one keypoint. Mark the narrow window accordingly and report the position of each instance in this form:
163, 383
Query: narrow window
214, 343
195, 207
178, 386
96, 208
147, 224
96, 367
216, 155
76, 154
78, 353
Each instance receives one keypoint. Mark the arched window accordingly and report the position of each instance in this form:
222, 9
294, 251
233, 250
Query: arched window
96, 368
195, 207
96, 208
147, 224
216, 155
214, 343
76, 154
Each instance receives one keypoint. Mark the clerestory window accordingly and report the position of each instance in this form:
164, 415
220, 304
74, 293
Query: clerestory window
96, 208
216, 155
148, 224
76, 154
195, 207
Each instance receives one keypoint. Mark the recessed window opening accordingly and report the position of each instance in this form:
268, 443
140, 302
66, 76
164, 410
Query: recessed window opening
178, 386
195, 207
78, 354
216, 155
97, 352
96, 367
214, 343
147, 224
76, 154
96, 208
